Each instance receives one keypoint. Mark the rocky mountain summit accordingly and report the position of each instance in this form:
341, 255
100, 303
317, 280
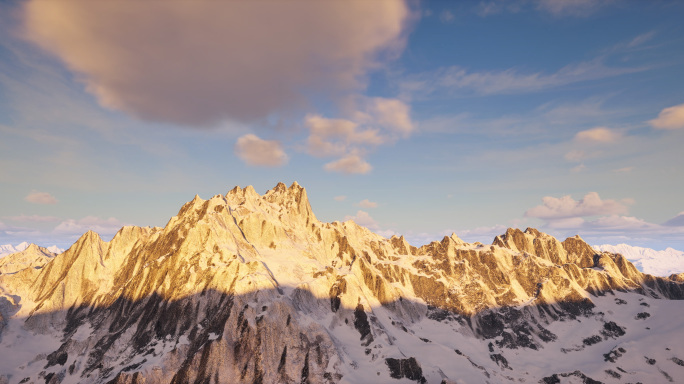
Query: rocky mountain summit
249, 288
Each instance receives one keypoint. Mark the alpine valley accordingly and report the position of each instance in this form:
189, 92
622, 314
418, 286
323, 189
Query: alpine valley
249, 288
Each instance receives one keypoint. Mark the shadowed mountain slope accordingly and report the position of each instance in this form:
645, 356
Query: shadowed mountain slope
253, 288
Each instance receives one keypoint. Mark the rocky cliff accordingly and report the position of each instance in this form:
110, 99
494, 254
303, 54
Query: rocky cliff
254, 288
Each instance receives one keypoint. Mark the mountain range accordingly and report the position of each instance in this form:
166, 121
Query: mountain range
249, 288
660, 263
9, 249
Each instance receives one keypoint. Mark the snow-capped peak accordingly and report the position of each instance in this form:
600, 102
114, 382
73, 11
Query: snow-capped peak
659, 263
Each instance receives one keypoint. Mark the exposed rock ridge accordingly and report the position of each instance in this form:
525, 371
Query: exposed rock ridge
251, 288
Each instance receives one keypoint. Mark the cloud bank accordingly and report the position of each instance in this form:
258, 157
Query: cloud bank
201, 62
566, 207
602, 220
106, 227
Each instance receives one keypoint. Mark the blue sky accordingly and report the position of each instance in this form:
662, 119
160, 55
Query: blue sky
419, 118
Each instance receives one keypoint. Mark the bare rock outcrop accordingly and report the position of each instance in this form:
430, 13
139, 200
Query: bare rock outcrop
249, 288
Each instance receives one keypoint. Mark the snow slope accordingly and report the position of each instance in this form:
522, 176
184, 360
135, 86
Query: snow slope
249, 288
659, 263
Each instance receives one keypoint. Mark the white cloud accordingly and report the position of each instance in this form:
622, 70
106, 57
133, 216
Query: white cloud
365, 203
349, 164
623, 170
379, 121
33, 218
36, 197
598, 135
167, 64
88, 223
255, 151
340, 198
332, 137
669, 118
363, 219
567, 207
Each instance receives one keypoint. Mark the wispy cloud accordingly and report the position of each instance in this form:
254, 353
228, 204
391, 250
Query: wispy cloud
446, 16
556, 8
623, 170
577, 8
14, 232
365, 203
37, 197
598, 135
459, 80
546, 120
641, 39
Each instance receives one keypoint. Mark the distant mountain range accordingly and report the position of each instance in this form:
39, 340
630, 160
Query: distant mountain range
8, 249
659, 263
33, 256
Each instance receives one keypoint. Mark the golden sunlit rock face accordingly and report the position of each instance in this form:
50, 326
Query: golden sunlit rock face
253, 288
